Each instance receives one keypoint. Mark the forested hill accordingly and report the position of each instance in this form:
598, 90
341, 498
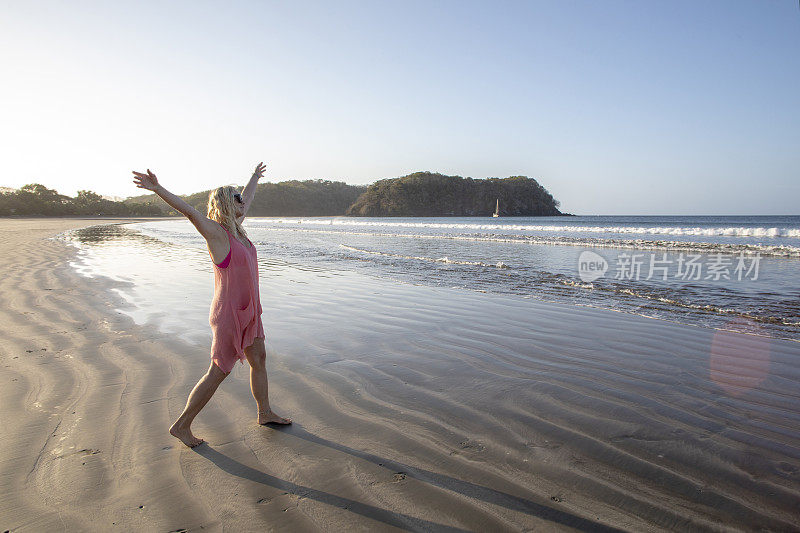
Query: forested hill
294, 198
418, 194
428, 194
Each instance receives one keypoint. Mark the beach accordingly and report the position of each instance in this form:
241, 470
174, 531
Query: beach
415, 408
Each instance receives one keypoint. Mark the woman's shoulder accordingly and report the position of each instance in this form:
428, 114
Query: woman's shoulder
220, 226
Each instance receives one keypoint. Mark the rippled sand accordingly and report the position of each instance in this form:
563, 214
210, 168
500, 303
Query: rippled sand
414, 408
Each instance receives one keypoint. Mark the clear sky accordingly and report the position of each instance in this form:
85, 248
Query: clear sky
616, 107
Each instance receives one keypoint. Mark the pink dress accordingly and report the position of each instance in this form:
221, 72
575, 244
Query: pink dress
235, 315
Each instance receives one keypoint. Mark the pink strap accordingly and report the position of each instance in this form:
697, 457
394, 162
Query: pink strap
226, 261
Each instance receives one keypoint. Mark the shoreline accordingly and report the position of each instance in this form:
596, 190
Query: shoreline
413, 414
719, 319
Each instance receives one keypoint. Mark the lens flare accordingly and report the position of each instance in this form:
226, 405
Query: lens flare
739, 362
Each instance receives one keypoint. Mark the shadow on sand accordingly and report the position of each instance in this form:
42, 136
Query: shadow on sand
392, 518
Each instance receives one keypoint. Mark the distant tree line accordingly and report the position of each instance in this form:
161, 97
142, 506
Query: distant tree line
295, 198
36, 199
426, 194
418, 194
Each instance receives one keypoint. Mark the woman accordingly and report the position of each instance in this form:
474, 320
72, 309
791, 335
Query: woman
235, 316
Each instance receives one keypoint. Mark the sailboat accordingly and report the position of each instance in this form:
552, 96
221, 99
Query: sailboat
497, 209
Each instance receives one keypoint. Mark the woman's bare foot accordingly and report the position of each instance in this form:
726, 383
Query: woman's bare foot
270, 417
185, 435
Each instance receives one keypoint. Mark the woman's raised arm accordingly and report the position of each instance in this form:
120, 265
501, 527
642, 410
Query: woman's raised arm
249, 192
207, 228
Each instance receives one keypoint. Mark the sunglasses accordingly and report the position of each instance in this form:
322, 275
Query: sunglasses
238, 198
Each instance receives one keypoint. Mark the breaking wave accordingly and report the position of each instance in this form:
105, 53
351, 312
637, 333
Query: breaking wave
634, 244
734, 231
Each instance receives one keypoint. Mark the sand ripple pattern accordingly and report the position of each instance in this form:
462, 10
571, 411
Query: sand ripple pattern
415, 408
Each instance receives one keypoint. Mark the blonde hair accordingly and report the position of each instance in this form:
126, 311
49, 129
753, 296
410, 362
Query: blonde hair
222, 208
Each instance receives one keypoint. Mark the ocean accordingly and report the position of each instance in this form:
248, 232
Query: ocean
728, 272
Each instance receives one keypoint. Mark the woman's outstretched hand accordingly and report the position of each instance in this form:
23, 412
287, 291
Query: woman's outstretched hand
146, 181
260, 168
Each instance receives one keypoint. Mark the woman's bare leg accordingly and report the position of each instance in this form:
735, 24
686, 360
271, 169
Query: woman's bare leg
198, 398
257, 357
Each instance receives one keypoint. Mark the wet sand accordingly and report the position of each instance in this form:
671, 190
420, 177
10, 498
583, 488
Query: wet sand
414, 408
